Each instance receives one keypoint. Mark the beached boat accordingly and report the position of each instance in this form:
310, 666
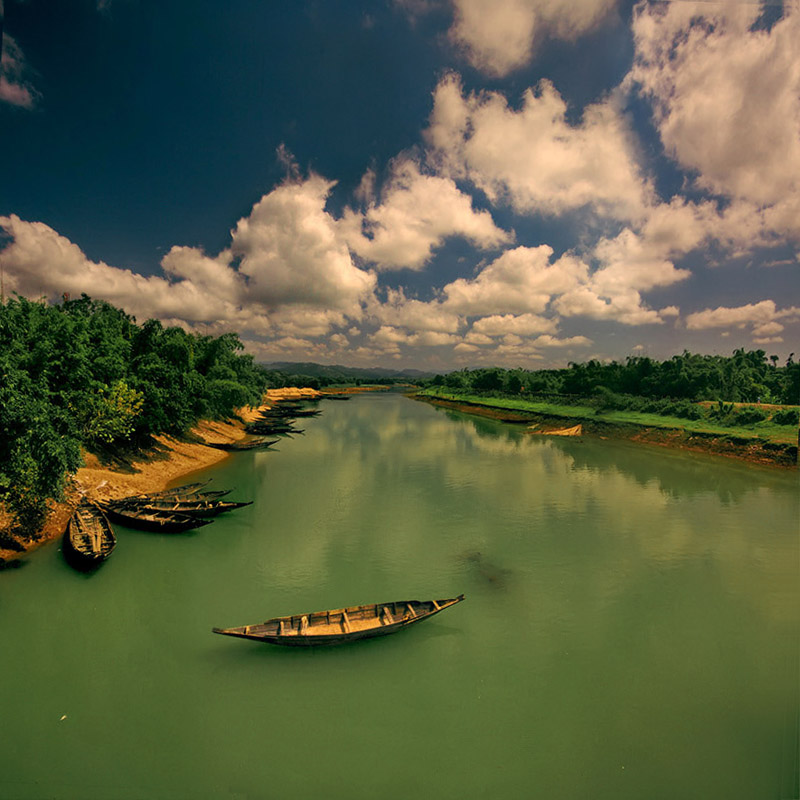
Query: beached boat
154, 520
188, 488
250, 444
271, 429
342, 624
194, 508
177, 497
281, 413
89, 538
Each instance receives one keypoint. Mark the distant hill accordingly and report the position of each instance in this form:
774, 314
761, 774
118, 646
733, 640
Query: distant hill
338, 372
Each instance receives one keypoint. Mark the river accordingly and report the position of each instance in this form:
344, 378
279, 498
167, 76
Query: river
631, 627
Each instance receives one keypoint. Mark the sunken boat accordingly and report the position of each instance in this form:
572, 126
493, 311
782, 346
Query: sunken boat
89, 539
154, 520
342, 624
194, 508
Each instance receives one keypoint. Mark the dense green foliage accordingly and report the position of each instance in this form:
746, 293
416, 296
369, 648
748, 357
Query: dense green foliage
84, 374
747, 377
673, 388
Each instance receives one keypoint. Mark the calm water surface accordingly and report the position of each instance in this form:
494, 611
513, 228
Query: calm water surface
631, 628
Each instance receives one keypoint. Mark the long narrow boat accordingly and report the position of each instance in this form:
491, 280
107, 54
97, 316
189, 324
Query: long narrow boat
342, 624
189, 488
178, 497
89, 538
251, 444
194, 508
267, 429
158, 521
288, 413
173, 498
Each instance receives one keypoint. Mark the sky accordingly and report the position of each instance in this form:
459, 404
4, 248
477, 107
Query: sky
429, 184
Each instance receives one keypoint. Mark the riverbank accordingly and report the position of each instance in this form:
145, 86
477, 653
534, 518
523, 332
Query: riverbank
111, 477
775, 450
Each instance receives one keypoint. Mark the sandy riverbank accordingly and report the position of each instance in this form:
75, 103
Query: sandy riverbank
168, 461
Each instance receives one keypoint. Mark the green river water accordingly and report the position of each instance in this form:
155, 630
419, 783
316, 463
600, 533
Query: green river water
631, 628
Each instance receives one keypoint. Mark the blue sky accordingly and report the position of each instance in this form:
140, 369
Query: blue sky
416, 183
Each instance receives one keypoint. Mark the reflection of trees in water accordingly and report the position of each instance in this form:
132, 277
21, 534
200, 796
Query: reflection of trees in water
677, 473
386, 478
418, 433
483, 426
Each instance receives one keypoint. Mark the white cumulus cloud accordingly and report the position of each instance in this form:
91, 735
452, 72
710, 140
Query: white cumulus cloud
726, 98
532, 157
414, 216
499, 36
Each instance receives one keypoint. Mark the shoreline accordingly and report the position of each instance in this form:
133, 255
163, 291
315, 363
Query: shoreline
171, 459
752, 451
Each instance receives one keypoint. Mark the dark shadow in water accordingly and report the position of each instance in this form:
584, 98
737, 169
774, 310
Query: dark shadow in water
492, 574
8, 540
14, 563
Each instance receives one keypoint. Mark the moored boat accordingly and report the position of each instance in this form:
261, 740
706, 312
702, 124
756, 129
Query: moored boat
342, 624
178, 497
260, 442
154, 520
188, 488
194, 508
89, 538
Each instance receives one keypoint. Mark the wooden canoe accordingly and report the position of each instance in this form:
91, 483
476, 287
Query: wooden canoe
289, 413
188, 488
173, 498
250, 444
89, 538
158, 521
342, 624
195, 508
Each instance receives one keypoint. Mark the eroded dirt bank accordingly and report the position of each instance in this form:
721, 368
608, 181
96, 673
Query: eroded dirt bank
120, 475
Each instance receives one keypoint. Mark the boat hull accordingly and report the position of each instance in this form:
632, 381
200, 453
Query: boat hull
211, 508
175, 523
89, 539
385, 624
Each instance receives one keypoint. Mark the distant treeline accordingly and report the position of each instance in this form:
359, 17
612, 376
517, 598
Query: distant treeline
85, 374
277, 379
318, 376
746, 376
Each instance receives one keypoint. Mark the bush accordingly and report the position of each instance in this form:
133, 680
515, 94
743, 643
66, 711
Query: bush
749, 416
786, 416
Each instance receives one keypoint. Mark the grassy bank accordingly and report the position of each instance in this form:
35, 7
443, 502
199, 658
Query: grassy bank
763, 441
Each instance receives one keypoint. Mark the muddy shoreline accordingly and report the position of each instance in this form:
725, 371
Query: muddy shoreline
750, 450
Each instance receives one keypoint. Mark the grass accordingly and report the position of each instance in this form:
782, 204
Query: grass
766, 430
